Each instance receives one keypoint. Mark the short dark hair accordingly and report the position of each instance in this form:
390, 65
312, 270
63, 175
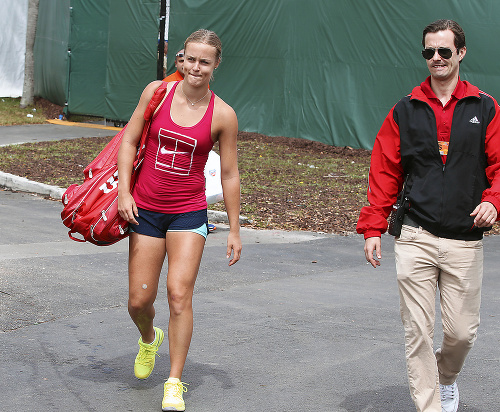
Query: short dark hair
443, 24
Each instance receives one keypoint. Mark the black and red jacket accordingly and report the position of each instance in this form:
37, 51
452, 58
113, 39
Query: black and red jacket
441, 196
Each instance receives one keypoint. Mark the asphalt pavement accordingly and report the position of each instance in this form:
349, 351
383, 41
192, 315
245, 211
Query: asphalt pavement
301, 322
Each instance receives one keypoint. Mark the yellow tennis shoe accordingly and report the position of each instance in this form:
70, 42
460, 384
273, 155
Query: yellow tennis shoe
145, 359
172, 395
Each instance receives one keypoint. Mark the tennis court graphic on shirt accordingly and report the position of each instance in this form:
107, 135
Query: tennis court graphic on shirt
175, 152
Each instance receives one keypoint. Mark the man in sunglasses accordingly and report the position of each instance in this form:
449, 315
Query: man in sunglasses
443, 142
178, 75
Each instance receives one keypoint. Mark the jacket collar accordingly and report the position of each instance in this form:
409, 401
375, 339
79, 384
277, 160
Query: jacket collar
463, 89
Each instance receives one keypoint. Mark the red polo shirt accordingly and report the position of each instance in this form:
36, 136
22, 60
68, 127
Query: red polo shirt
444, 114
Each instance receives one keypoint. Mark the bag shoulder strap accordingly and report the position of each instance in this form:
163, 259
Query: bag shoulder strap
158, 96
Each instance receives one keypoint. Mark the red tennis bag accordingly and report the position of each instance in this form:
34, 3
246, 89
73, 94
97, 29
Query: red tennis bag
91, 209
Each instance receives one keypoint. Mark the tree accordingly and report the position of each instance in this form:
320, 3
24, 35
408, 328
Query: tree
27, 98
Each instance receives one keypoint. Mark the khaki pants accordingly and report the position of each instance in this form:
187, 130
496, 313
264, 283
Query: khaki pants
423, 263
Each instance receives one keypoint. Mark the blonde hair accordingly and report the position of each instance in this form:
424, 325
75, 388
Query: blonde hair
207, 37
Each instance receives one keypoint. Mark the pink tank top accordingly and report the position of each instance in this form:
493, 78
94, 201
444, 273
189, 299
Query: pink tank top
172, 179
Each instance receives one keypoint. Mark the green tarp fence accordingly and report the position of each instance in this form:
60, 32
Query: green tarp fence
325, 70
330, 70
96, 56
51, 50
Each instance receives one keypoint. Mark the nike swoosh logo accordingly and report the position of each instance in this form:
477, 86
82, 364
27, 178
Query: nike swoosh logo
165, 151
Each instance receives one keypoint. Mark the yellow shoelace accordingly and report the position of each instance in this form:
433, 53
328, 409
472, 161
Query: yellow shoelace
147, 353
175, 389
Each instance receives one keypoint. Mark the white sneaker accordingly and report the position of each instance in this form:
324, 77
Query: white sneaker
449, 397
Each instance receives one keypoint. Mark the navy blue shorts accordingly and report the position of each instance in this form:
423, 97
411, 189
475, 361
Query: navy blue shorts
157, 224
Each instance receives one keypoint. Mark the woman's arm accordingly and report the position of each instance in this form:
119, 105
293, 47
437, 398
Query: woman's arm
126, 155
230, 177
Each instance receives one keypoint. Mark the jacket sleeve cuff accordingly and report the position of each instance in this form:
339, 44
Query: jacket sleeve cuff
372, 233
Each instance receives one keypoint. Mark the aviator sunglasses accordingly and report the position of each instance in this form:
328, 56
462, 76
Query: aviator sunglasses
444, 52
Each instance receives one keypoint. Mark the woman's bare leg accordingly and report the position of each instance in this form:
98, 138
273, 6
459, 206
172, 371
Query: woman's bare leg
184, 251
146, 256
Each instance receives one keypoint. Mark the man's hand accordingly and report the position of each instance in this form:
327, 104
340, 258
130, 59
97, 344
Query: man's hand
485, 214
372, 244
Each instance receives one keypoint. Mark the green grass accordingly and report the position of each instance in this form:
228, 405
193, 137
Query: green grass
12, 114
300, 190
58, 163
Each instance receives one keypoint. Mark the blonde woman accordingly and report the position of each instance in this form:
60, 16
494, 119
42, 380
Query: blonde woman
167, 209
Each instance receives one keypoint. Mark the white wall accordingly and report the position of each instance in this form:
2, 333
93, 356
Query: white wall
13, 20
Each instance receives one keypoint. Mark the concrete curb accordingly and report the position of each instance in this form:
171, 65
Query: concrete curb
13, 182
216, 216
22, 184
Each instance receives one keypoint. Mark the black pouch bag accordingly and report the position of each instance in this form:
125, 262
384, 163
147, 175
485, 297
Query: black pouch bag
398, 212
